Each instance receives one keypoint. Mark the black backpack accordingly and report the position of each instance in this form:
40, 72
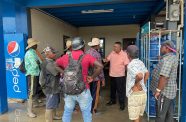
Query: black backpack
73, 83
22, 66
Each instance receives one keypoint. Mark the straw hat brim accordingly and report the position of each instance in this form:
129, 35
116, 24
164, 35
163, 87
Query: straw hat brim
32, 44
91, 44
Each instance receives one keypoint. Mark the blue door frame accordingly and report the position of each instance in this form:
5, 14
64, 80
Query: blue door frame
183, 112
13, 20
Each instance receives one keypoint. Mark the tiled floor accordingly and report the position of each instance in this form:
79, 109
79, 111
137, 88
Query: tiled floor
17, 113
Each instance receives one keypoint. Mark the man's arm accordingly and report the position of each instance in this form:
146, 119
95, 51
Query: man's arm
138, 78
97, 69
105, 60
58, 68
146, 77
161, 85
137, 85
162, 82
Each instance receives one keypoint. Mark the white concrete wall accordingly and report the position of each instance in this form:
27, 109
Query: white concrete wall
110, 33
49, 30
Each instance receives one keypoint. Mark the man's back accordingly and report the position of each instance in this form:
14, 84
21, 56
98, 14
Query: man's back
50, 77
87, 61
31, 65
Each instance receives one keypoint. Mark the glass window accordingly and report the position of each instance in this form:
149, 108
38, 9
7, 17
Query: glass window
102, 47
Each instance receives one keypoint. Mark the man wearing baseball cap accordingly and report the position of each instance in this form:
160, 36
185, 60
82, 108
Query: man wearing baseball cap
68, 45
163, 83
95, 86
49, 80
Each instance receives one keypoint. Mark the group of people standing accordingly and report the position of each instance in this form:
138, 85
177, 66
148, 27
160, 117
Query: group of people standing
128, 76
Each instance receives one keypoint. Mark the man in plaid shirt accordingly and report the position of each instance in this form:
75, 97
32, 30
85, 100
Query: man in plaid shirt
95, 86
164, 84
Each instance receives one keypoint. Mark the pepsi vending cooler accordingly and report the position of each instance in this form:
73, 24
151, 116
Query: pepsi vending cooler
14, 54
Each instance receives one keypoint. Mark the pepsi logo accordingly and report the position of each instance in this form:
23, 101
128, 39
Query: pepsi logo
13, 48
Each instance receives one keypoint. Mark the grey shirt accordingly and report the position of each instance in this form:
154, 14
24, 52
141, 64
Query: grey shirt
50, 81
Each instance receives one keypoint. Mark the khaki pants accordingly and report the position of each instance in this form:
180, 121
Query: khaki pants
33, 87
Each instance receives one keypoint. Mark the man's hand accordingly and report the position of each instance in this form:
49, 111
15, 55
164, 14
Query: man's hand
139, 77
103, 83
89, 79
105, 60
134, 89
156, 95
137, 87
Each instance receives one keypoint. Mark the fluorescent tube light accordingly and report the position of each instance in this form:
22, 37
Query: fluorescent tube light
97, 11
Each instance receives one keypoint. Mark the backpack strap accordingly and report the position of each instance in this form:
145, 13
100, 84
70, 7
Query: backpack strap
70, 59
80, 58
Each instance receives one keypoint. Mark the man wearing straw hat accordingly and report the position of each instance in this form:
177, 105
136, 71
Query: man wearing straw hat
95, 86
68, 45
163, 84
32, 62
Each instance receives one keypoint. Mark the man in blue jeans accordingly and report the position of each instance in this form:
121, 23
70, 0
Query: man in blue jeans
84, 99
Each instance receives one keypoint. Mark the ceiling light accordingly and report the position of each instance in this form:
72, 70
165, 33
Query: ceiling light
97, 11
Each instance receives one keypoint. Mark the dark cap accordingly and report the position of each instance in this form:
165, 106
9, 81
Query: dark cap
169, 44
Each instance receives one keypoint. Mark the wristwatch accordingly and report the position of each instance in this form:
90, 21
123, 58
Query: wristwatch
158, 90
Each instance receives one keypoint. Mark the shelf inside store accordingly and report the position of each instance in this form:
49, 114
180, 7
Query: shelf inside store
151, 116
151, 59
163, 32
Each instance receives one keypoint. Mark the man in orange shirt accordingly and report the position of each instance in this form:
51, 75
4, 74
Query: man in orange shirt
118, 62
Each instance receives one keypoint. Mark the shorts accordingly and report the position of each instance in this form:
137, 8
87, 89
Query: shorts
136, 104
52, 101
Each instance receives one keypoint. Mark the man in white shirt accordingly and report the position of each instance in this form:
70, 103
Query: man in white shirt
137, 75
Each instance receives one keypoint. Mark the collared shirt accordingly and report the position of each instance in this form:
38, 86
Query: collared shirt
118, 61
167, 67
96, 55
87, 61
52, 77
134, 67
31, 65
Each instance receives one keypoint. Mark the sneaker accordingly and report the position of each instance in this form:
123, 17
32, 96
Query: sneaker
57, 118
31, 115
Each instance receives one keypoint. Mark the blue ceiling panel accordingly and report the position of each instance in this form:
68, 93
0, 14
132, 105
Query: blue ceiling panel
130, 12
